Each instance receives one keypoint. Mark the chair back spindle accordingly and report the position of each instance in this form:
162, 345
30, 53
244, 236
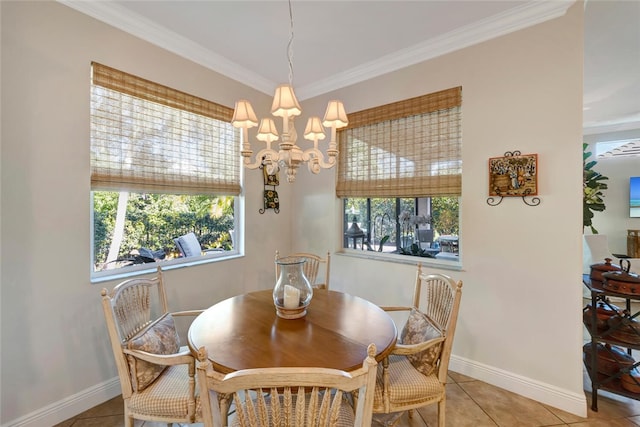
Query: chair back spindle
288, 397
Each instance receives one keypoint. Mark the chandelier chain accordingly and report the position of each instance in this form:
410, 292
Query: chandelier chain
290, 45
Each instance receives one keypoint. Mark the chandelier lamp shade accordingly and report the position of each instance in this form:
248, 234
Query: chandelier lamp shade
289, 155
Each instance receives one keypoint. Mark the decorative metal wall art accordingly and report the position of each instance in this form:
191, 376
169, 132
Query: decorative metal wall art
270, 195
513, 175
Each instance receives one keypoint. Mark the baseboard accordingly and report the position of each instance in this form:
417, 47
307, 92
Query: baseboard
575, 403
70, 406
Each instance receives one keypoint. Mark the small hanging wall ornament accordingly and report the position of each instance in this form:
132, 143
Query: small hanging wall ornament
513, 175
270, 195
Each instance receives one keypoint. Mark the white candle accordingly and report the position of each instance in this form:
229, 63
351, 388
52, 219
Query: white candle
291, 297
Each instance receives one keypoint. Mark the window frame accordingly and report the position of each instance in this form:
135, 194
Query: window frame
434, 119
395, 256
165, 101
147, 268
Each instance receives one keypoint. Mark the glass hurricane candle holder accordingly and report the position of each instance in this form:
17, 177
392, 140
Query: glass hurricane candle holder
292, 292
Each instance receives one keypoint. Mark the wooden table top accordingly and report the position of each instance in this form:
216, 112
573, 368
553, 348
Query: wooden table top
244, 332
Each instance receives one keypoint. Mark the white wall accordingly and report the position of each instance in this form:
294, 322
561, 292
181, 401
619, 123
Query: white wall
53, 337
520, 325
614, 221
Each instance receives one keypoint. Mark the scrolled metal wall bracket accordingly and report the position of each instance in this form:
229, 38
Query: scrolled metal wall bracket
513, 162
535, 201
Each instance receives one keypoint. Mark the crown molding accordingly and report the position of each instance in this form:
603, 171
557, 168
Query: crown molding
595, 129
529, 14
119, 17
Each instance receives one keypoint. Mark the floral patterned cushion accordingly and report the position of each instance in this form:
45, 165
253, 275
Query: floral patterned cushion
159, 338
271, 200
420, 329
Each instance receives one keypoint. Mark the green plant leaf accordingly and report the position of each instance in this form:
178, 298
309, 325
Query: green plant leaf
384, 240
590, 165
592, 190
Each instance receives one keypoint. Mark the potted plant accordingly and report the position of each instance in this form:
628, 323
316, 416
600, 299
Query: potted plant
592, 190
409, 225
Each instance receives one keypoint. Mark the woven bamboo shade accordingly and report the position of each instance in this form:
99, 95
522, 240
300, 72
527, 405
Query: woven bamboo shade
148, 137
409, 148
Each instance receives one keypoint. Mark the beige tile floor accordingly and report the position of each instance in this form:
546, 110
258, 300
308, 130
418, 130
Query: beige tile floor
470, 403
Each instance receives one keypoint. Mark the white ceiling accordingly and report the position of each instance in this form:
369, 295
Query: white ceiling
611, 66
338, 43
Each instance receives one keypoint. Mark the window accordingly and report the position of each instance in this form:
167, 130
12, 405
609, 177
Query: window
424, 226
163, 164
400, 176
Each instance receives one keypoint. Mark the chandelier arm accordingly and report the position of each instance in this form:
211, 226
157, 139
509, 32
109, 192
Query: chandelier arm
314, 166
270, 154
316, 161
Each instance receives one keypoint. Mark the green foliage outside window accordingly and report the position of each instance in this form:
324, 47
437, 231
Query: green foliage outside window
444, 215
153, 220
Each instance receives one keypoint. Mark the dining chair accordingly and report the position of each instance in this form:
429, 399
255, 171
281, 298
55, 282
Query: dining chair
415, 373
157, 375
311, 268
287, 396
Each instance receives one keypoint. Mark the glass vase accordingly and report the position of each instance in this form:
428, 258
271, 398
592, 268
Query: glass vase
292, 292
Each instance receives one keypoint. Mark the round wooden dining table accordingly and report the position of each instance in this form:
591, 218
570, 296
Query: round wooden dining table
244, 332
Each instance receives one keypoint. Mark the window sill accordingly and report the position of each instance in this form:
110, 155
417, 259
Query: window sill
149, 268
443, 264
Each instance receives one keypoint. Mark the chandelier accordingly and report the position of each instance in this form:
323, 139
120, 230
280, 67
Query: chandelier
285, 105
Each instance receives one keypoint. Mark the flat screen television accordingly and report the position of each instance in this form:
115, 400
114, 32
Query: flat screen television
634, 197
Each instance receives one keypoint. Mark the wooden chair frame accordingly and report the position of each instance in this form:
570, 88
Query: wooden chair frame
303, 396
442, 307
127, 311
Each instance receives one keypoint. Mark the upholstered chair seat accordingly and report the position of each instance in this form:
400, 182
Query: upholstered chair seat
406, 385
169, 395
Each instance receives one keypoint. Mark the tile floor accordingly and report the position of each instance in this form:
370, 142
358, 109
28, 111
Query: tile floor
470, 403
